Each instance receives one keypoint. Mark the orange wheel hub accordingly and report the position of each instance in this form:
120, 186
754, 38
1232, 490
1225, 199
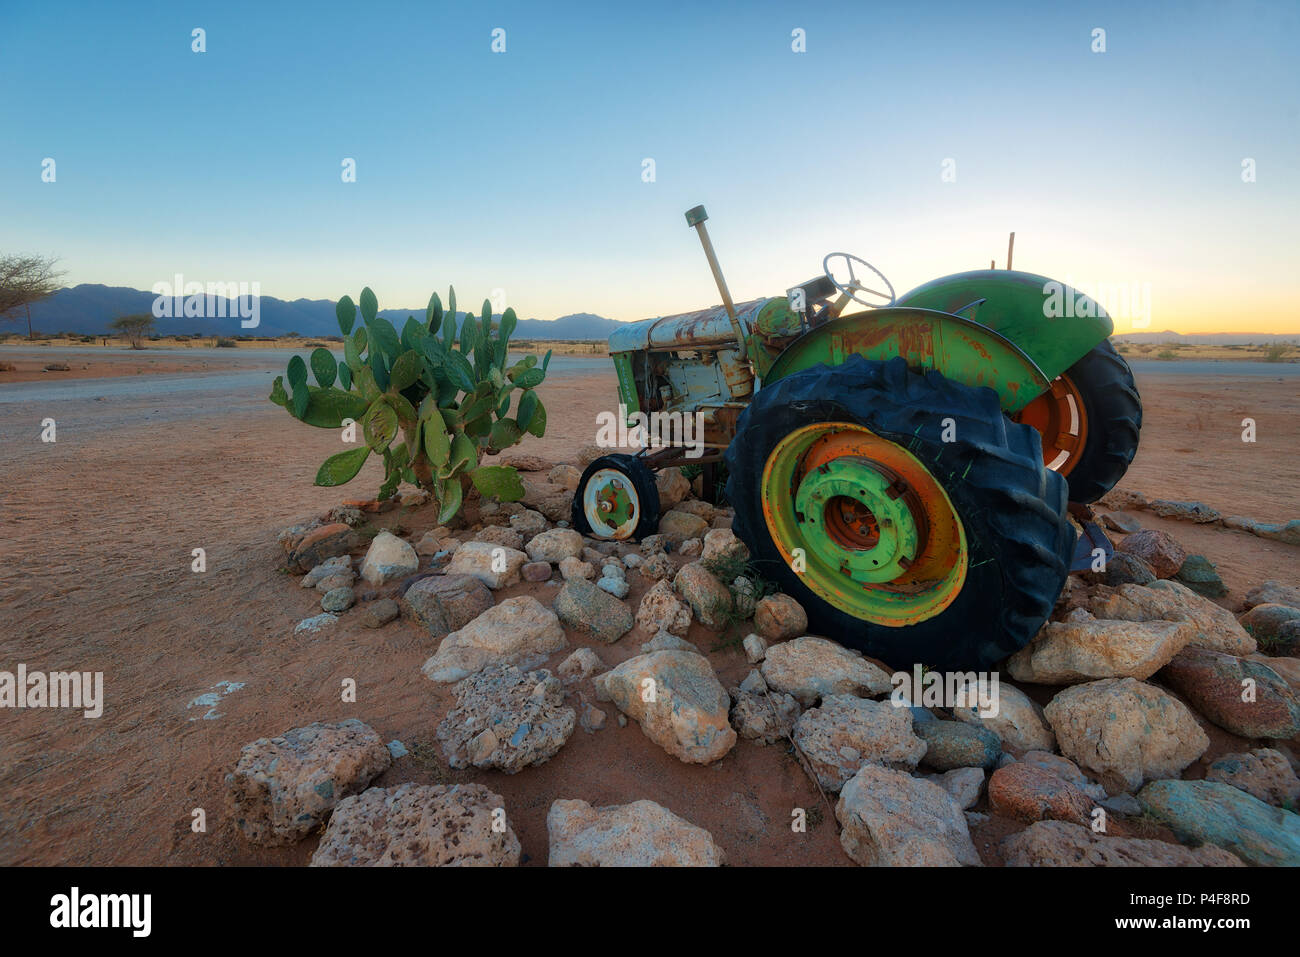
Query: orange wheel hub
1059, 417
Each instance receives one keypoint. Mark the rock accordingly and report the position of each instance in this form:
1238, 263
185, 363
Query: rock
845, 732
691, 548
571, 568
283, 787
1125, 732
696, 507
810, 668
1288, 533
520, 631
1215, 685
1208, 812
446, 603
499, 535
580, 665
721, 544
1018, 723
437, 539
618, 587
954, 744
631, 560
388, 558
687, 713
755, 649
1266, 623
315, 623
1185, 511
411, 497
654, 544
343, 579
640, 834
379, 613
528, 524
661, 611
656, 567
613, 568
1119, 522
1202, 576
1125, 569
1027, 792
335, 566
494, 565
565, 476
1070, 652
305, 547
1062, 844
1216, 628
677, 527
555, 545
709, 598
415, 825
1119, 499
890, 818
964, 784
338, 599
744, 595
1288, 668
761, 716
536, 571
553, 502
666, 641
1066, 770
1125, 805
1160, 551
506, 719
1262, 773
1272, 593
673, 487
778, 617
583, 606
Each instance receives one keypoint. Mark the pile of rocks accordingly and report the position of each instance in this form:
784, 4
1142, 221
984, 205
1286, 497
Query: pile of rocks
1136, 653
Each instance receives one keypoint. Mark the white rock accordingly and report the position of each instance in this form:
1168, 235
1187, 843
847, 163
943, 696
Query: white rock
388, 558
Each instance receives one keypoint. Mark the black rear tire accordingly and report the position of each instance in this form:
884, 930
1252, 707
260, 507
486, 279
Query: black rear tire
1114, 415
1013, 510
641, 479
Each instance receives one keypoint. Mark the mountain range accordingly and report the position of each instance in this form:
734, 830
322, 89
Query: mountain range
88, 309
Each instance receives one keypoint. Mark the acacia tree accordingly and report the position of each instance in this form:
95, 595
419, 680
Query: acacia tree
23, 281
133, 327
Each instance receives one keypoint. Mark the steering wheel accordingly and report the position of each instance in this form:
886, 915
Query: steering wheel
854, 285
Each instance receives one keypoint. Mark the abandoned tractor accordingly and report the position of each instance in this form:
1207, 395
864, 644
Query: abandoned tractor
904, 466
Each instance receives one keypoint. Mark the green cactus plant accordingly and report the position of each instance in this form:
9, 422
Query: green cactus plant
446, 393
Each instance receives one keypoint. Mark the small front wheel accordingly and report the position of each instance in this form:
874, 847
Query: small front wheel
617, 499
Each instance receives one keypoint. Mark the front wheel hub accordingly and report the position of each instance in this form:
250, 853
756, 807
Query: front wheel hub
854, 517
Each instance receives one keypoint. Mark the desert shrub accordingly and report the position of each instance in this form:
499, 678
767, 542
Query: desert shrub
1276, 352
449, 396
224, 343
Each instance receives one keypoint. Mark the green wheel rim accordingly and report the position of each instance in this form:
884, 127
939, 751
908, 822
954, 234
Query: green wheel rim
864, 523
610, 504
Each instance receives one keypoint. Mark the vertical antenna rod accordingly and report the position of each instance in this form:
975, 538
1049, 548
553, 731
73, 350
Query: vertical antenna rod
696, 217
1011, 245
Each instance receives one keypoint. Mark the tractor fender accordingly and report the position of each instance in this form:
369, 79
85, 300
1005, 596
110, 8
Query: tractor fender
1052, 323
960, 348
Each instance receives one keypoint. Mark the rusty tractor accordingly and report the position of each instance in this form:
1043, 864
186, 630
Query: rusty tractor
906, 467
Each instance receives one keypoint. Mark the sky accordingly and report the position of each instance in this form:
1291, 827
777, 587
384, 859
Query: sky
915, 135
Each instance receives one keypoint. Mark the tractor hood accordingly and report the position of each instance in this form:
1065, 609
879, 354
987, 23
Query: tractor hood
703, 327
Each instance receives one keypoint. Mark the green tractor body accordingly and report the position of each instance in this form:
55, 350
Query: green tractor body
904, 468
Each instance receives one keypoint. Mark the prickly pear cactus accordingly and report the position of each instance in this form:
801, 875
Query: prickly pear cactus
432, 400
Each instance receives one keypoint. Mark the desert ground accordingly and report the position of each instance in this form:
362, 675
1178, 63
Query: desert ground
96, 533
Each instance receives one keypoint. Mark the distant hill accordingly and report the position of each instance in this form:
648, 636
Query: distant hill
89, 308
1169, 337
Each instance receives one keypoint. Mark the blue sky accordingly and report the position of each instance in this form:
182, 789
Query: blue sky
522, 171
